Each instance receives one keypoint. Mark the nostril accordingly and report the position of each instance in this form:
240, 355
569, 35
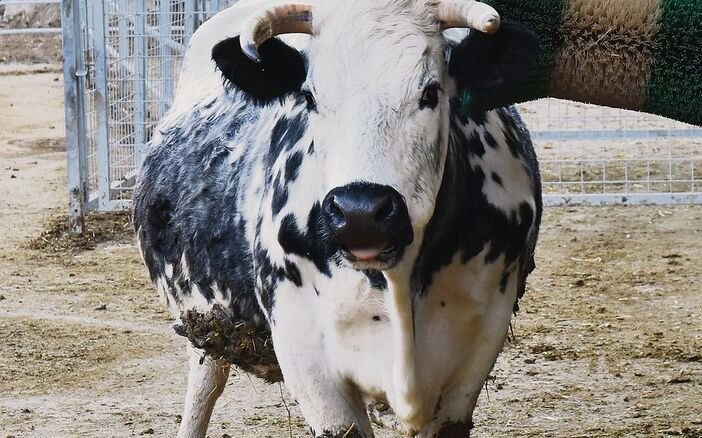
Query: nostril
384, 210
335, 209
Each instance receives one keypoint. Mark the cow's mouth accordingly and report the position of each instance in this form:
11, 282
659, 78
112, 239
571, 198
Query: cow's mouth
383, 257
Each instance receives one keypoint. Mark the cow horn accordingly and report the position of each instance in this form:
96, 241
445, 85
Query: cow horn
468, 13
290, 18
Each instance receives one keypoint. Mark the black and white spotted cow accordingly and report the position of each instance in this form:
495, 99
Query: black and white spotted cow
331, 191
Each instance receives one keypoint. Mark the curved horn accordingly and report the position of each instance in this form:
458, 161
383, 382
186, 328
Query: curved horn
468, 13
291, 18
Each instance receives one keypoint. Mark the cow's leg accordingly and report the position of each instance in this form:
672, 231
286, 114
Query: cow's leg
486, 336
206, 381
332, 407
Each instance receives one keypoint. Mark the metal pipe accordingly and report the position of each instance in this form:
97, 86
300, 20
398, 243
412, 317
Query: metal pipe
73, 93
100, 99
30, 30
28, 2
165, 35
140, 45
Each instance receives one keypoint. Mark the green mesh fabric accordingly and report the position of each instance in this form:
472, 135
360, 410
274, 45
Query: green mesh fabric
675, 87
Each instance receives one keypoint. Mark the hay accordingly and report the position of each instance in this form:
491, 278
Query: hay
225, 338
100, 227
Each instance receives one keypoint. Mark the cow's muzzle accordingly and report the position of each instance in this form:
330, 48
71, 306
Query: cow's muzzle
369, 223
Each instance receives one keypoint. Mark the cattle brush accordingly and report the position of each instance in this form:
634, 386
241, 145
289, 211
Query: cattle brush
643, 55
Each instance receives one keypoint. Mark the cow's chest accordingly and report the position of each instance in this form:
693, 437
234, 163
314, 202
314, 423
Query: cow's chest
460, 324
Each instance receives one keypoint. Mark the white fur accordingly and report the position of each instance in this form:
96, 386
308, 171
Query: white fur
206, 382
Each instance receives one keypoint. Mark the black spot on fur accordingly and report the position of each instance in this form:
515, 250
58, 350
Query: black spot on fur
269, 275
475, 145
306, 243
503, 281
286, 133
158, 218
292, 166
293, 273
376, 279
281, 70
514, 236
497, 179
490, 140
280, 198
510, 134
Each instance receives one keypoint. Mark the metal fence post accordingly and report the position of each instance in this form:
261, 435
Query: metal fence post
165, 53
189, 20
140, 45
73, 86
122, 8
102, 140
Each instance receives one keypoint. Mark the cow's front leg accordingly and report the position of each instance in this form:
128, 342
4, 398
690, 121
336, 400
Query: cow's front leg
332, 407
206, 381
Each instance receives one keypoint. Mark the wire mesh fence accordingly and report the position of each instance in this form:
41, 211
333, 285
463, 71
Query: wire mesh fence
126, 55
596, 155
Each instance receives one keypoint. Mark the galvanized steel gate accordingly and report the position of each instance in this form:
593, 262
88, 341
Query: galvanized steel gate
121, 61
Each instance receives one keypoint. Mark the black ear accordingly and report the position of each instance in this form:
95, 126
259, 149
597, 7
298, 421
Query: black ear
280, 72
493, 68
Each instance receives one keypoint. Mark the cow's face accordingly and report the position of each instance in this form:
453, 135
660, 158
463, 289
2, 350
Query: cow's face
375, 83
377, 101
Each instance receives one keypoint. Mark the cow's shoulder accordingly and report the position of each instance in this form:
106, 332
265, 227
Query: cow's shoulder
489, 205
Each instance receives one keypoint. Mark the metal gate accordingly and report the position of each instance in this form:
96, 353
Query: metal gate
121, 61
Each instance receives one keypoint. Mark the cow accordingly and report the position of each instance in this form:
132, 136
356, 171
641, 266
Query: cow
329, 189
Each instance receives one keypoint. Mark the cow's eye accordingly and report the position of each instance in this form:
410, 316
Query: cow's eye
430, 96
309, 98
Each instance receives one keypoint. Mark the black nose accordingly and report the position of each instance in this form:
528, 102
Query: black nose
367, 220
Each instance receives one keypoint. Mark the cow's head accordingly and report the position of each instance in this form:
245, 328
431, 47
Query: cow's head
377, 87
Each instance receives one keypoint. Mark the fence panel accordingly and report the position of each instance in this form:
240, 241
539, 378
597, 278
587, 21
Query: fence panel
597, 155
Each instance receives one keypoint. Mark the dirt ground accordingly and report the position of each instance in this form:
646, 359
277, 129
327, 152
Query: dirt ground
36, 48
608, 342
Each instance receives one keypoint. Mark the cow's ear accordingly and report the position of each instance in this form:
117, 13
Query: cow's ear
494, 67
280, 72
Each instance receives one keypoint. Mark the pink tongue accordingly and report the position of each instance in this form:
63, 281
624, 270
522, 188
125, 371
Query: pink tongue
366, 254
